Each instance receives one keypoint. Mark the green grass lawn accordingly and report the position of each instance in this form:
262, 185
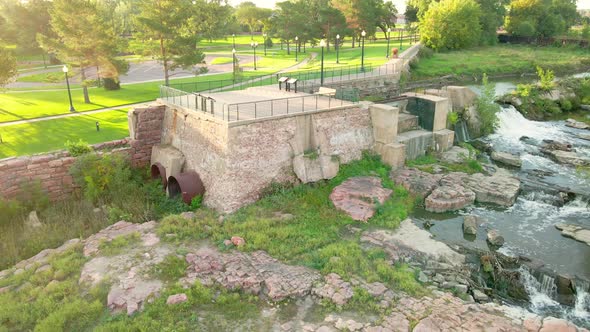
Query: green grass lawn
221, 60
52, 77
51, 135
501, 59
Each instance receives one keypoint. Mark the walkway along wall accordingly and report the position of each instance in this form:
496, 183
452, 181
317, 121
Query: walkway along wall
51, 170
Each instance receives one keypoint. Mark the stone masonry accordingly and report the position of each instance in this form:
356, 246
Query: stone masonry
51, 170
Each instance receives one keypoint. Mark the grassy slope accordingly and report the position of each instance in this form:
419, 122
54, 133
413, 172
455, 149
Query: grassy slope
51, 134
316, 235
500, 59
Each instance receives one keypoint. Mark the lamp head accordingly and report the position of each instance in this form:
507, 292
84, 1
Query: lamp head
296, 37
338, 36
388, 29
264, 35
233, 51
364, 33
65, 69
323, 43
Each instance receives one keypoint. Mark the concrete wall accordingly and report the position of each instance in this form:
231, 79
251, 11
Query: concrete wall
236, 161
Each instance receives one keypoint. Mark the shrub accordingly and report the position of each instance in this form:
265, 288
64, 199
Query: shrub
451, 24
196, 202
102, 177
77, 149
111, 84
487, 108
425, 53
546, 79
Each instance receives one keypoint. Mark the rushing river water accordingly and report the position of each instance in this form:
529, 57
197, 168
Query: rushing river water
528, 226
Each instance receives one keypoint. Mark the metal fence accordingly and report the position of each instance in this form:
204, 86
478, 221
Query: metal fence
250, 110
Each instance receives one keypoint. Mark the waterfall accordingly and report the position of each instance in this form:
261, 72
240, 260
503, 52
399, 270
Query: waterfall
540, 293
461, 132
582, 305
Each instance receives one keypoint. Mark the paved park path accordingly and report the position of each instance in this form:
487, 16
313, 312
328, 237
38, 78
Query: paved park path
60, 116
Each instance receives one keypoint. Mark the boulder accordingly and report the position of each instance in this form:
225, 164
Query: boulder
551, 324
575, 232
449, 198
176, 299
238, 241
549, 144
507, 158
470, 224
358, 196
479, 296
416, 181
501, 188
576, 124
310, 169
455, 155
33, 220
494, 238
584, 136
568, 157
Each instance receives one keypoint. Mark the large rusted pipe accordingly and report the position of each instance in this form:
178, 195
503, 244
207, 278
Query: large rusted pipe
159, 171
187, 184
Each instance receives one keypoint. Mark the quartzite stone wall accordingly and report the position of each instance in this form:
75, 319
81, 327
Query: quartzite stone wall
236, 161
51, 170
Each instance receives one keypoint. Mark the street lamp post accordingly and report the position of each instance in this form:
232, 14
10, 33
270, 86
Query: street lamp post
65, 70
401, 36
322, 45
233, 52
254, 45
363, 34
264, 35
233, 35
388, 38
296, 49
338, 48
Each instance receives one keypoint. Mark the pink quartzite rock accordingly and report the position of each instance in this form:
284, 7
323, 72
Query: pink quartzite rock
551, 324
449, 198
358, 196
237, 241
176, 298
335, 289
416, 181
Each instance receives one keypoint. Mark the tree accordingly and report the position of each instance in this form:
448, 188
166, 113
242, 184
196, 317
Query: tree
387, 16
331, 22
168, 23
213, 18
451, 24
360, 15
288, 21
83, 41
492, 17
251, 16
7, 66
547, 17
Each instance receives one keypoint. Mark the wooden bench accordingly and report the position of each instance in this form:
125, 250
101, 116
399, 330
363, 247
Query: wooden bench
282, 80
326, 92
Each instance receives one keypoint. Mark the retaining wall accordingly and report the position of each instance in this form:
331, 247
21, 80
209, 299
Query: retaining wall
51, 170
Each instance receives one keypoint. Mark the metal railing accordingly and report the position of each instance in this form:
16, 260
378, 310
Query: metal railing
232, 112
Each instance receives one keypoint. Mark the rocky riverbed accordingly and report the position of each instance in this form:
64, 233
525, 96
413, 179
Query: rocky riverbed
452, 304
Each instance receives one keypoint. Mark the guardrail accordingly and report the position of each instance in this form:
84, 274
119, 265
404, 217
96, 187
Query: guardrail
232, 112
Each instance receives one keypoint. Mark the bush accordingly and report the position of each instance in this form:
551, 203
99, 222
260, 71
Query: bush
111, 84
546, 79
102, 177
487, 108
78, 148
451, 24
425, 53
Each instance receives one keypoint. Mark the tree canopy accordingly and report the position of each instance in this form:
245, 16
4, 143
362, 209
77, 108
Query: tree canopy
451, 24
540, 18
7, 66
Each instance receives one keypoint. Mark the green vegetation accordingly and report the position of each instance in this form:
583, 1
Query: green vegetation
50, 135
299, 225
117, 245
451, 24
487, 108
51, 77
500, 59
470, 165
7, 66
540, 18
78, 148
221, 60
172, 268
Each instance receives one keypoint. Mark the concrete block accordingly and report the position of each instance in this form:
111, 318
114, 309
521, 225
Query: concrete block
394, 154
443, 140
384, 119
441, 109
315, 169
460, 97
169, 157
